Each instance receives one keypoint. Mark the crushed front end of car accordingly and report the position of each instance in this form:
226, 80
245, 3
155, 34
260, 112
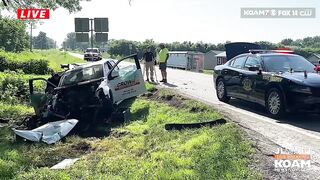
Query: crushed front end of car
79, 94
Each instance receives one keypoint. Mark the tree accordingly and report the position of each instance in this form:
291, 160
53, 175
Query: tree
287, 42
71, 5
267, 45
122, 47
13, 36
41, 41
70, 41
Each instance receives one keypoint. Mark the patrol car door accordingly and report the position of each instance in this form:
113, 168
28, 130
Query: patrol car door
125, 80
252, 80
235, 73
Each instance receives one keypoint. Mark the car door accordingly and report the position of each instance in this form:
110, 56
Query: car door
233, 76
127, 81
252, 80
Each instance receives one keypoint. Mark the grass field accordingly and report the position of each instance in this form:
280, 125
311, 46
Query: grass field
210, 72
139, 149
56, 58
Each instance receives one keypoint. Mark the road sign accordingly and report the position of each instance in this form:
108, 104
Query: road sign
101, 37
82, 37
81, 24
101, 25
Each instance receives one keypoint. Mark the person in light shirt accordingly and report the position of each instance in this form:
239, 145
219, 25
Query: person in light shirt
163, 58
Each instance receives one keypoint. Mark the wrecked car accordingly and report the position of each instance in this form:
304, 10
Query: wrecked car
91, 93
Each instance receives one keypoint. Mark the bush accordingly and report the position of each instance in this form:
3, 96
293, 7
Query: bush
32, 66
14, 87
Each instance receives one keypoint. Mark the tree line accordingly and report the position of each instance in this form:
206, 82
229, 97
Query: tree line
14, 37
304, 47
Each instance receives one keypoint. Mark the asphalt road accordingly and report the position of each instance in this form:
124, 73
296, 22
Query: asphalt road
299, 131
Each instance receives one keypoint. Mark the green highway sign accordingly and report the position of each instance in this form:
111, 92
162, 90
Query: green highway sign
81, 24
101, 25
82, 37
101, 37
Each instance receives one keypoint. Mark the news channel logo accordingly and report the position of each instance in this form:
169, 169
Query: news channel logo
250, 12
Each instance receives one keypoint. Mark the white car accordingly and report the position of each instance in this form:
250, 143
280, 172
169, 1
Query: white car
92, 54
90, 92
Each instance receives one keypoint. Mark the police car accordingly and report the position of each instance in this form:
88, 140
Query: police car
89, 92
279, 80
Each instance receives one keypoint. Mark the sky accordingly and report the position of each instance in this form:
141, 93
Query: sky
210, 21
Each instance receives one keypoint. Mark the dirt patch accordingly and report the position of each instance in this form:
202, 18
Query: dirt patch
118, 134
171, 99
82, 146
197, 109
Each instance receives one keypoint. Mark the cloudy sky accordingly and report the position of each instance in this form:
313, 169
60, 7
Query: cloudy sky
186, 20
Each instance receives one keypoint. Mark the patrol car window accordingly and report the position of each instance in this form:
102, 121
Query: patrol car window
251, 62
285, 63
238, 62
230, 62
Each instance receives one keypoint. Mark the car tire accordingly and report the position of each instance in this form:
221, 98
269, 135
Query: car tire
221, 91
275, 103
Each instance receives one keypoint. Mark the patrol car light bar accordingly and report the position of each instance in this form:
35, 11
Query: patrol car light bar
255, 51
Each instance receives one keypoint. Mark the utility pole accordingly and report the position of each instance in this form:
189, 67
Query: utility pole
31, 39
91, 29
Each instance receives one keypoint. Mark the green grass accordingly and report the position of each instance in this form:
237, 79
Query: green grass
150, 87
23, 56
210, 72
14, 87
53, 57
9, 111
56, 58
139, 149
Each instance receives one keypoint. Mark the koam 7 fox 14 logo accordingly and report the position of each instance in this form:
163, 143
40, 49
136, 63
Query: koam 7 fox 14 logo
285, 159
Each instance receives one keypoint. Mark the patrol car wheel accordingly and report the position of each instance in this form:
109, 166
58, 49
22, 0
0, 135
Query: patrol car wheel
274, 103
221, 91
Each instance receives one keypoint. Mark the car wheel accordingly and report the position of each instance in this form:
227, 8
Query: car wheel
275, 103
221, 91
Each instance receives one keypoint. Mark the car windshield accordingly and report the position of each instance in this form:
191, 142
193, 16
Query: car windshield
81, 75
285, 63
92, 50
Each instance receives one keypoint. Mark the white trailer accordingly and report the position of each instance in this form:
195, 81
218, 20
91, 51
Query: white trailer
187, 60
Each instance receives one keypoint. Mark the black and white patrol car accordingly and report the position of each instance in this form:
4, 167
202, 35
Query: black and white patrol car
279, 80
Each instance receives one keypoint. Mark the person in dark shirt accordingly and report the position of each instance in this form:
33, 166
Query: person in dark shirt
149, 59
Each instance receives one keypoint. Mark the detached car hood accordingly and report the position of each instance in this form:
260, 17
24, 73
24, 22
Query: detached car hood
312, 79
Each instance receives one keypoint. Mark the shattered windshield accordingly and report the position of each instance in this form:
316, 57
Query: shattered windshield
281, 63
81, 75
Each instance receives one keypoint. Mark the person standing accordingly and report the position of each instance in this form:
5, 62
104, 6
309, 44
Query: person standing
149, 59
163, 58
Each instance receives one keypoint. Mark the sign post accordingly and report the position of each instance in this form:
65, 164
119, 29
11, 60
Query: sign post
98, 27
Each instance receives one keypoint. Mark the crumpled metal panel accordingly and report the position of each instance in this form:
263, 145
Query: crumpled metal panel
49, 133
